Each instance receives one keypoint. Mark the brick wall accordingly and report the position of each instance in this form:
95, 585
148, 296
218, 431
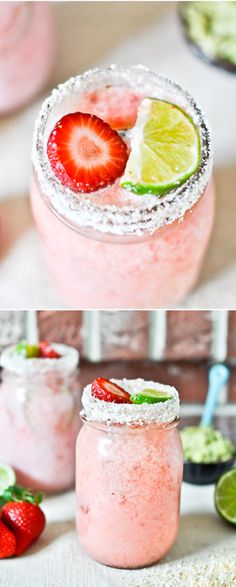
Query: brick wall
126, 335
188, 347
186, 344
232, 336
189, 335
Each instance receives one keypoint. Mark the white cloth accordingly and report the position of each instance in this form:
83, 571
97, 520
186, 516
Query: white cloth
57, 559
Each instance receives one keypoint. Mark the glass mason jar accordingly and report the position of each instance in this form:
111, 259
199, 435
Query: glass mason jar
27, 46
111, 248
128, 479
39, 406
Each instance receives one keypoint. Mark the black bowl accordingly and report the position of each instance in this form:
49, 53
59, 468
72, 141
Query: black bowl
197, 49
205, 473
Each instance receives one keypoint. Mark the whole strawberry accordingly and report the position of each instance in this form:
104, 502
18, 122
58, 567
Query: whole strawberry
7, 541
22, 516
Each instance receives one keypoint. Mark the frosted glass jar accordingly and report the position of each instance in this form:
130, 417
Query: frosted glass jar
112, 249
128, 480
27, 51
39, 406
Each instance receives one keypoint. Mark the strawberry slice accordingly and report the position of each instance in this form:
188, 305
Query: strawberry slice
85, 153
105, 390
47, 352
116, 105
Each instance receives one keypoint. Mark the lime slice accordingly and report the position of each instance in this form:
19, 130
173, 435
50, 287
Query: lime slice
28, 351
165, 149
32, 351
21, 348
225, 497
7, 477
150, 396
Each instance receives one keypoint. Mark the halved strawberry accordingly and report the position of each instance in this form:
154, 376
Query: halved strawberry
85, 153
108, 391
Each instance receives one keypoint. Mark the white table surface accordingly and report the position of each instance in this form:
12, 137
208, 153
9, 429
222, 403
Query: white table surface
203, 556
24, 280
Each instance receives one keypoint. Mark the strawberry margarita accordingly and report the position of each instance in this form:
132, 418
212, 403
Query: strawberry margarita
39, 402
132, 455
27, 48
108, 247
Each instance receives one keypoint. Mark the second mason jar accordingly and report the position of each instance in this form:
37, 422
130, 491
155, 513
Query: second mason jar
27, 51
39, 403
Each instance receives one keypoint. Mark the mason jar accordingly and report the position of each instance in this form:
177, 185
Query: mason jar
128, 478
27, 51
39, 406
111, 248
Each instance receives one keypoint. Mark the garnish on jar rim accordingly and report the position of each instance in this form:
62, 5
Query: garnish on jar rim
106, 390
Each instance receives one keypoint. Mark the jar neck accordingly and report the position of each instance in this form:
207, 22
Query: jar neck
130, 429
36, 367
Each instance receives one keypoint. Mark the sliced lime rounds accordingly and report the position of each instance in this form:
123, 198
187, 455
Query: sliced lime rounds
165, 149
150, 396
225, 497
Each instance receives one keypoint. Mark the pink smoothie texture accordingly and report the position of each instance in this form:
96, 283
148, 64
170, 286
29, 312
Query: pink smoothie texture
115, 274
128, 491
38, 427
112, 248
27, 51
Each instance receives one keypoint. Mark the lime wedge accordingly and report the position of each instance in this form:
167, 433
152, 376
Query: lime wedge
165, 149
150, 396
28, 351
7, 477
225, 497
32, 351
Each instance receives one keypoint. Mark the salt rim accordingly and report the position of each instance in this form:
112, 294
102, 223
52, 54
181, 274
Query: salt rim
109, 219
22, 366
96, 410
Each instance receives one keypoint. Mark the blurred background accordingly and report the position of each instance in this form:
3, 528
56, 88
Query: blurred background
89, 34
173, 347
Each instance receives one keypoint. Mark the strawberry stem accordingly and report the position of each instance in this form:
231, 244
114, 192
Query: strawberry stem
16, 493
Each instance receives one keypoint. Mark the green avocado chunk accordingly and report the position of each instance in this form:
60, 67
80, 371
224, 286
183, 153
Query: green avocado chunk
206, 445
212, 26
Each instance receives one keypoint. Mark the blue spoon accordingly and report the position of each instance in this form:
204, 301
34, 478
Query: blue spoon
218, 376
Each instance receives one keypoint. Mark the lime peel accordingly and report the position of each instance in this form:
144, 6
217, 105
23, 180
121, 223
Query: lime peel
225, 497
165, 149
7, 477
149, 396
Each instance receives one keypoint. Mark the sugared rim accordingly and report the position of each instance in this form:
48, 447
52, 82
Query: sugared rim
96, 410
144, 214
18, 364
